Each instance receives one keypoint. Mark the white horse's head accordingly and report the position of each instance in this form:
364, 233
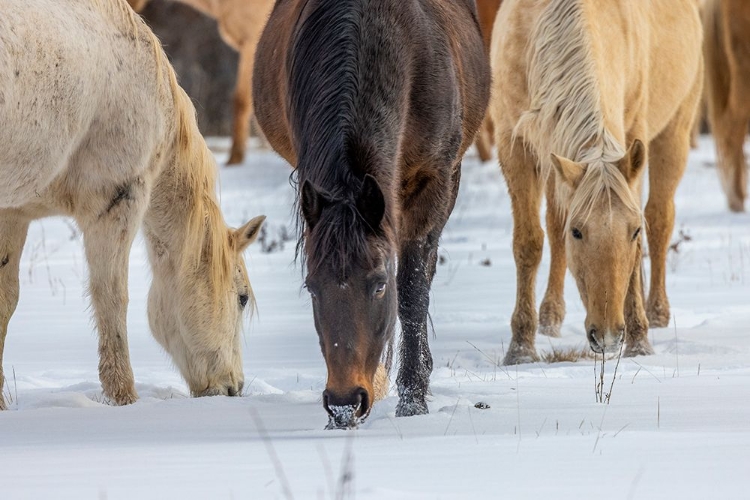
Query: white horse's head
196, 310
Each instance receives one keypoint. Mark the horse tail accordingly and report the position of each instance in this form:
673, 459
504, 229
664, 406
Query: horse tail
717, 64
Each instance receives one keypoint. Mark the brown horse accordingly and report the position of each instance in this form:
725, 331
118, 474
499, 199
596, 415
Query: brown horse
487, 13
374, 104
584, 92
240, 24
726, 26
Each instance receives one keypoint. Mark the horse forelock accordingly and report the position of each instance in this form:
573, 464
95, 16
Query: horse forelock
341, 239
602, 179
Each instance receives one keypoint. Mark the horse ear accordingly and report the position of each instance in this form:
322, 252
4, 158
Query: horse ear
248, 233
371, 203
312, 204
568, 170
633, 162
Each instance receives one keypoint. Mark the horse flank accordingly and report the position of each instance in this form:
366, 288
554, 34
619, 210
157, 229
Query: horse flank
565, 115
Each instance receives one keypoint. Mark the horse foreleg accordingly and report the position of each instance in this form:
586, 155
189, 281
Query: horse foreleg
107, 239
13, 229
416, 268
636, 324
414, 281
668, 154
524, 187
552, 310
243, 103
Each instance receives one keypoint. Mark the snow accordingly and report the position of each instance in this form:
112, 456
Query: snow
678, 425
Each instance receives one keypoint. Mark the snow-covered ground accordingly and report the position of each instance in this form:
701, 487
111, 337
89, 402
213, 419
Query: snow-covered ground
678, 425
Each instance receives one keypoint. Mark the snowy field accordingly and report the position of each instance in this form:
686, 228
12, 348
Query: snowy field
678, 426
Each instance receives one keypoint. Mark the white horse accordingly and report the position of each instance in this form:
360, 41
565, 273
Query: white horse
95, 127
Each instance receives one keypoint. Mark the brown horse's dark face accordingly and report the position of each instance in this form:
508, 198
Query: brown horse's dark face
354, 297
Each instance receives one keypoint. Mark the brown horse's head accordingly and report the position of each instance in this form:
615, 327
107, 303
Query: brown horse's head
351, 279
603, 239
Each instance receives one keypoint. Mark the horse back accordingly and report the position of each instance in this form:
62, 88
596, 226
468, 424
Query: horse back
432, 45
72, 85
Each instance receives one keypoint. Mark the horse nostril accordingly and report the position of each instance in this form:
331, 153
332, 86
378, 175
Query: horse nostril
326, 398
363, 403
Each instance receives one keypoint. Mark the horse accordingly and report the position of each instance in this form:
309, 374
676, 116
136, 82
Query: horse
240, 25
487, 10
96, 128
373, 104
585, 93
726, 26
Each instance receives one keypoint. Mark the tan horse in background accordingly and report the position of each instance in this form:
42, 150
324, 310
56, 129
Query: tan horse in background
727, 53
95, 127
241, 23
487, 10
585, 92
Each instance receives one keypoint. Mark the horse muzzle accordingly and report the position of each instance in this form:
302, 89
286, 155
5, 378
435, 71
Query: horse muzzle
346, 412
606, 341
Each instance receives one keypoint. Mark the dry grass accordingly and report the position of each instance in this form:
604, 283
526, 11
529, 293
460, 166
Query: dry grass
567, 355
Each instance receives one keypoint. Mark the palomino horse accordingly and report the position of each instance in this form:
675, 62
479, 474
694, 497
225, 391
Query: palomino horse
374, 106
240, 24
727, 53
95, 127
487, 13
575, 81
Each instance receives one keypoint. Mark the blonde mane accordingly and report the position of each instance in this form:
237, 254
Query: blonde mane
565, 113
192, 173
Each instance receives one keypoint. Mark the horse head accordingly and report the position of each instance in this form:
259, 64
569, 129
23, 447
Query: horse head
603, 239
352, 282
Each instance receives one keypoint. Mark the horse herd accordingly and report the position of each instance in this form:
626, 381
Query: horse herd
374, 105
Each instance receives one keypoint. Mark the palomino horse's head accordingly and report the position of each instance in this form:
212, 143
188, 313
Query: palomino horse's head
352, 281
196, 309
602, 239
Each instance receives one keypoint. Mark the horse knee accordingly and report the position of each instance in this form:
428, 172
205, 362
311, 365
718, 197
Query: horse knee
527, 246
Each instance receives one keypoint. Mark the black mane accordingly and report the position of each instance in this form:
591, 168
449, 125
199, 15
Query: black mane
344, 118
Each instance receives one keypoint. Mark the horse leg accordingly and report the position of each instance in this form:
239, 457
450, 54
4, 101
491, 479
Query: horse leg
243, 103
524, 187
13, 229
668, 154
552, 310
729, 132
636, 324
107, 239
483, 141
417, 264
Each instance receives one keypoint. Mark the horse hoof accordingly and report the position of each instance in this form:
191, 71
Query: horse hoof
235, 159
411, 408
658, 317
518, 355
550, 330
640, 348
123, 398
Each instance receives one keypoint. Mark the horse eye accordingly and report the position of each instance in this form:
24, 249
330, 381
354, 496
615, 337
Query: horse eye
380, 288
636, 233
243, 299
577, 234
